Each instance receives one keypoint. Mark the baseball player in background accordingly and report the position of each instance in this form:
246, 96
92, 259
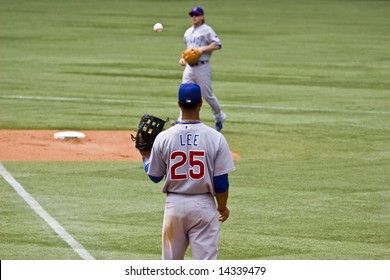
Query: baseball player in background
195, 160
202, 37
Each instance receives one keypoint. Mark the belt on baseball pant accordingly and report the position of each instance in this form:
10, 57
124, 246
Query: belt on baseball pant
187, 193
199, 63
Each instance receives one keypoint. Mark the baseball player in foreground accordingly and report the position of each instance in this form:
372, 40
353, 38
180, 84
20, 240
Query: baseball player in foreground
200, 41
195, 160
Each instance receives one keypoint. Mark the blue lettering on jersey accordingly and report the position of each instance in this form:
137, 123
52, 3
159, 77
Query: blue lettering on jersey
199, 41
189, 139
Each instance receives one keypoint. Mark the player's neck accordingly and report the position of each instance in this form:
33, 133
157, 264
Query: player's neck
191, 115
196, 25
190, 118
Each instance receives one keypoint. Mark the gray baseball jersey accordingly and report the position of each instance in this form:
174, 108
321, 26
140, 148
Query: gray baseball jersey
190, 155
201, 36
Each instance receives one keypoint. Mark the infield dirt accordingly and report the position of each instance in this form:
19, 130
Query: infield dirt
40, 145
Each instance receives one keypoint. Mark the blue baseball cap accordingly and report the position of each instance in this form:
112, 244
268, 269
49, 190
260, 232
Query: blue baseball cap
189, 94
196, 11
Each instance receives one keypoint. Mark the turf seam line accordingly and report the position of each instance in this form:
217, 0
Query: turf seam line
34, 205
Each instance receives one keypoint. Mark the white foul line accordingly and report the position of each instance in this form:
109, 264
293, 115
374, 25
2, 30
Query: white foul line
77, 247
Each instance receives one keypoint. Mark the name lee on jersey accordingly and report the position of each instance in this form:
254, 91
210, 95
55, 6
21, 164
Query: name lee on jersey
189, 139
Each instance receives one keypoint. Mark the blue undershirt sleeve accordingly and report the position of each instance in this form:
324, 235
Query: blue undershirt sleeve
221, 183
153, 178
146, 165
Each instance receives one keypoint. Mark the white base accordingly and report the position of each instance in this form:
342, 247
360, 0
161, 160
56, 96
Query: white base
69, 134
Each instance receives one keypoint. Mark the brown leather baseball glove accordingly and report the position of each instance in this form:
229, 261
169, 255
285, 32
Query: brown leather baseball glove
191, 55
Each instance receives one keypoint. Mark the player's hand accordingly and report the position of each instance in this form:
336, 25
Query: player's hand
223, 214
182, 62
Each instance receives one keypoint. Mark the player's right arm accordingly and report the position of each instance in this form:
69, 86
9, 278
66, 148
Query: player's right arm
221, 182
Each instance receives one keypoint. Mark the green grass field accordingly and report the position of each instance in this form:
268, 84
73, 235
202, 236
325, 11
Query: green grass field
305, 85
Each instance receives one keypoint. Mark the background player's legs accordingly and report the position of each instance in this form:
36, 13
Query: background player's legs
203, 79
201, 75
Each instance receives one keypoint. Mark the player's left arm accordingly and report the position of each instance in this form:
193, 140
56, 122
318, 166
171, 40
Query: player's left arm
213, 41
209, 48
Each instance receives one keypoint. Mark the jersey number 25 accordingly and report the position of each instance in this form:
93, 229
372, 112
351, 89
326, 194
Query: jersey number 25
196, 165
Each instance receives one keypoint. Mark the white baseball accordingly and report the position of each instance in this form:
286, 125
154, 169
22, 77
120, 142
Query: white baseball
158, 27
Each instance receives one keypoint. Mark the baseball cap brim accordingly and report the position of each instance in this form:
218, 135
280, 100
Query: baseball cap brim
195, 13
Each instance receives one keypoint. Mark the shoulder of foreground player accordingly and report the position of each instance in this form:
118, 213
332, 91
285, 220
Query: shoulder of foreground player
211, 132
170, 131
163, 134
